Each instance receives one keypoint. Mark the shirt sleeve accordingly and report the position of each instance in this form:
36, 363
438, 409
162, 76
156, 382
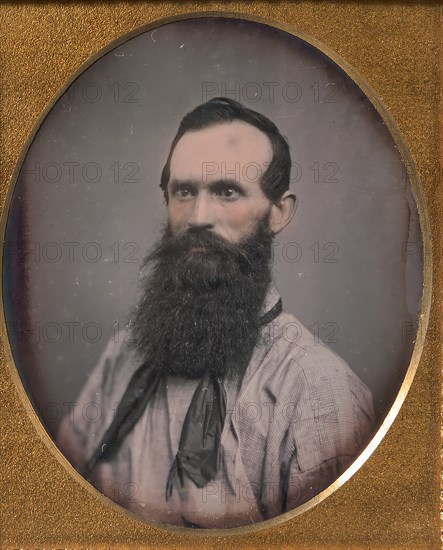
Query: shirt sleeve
81, 429
335, 442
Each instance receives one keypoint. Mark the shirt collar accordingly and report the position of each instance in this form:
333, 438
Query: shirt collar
272, 297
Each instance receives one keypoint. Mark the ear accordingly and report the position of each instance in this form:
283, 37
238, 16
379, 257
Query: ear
282, 212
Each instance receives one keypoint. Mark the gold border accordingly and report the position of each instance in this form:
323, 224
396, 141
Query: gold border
427, 271
427, 274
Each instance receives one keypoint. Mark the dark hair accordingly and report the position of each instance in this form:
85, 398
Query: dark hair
221, 110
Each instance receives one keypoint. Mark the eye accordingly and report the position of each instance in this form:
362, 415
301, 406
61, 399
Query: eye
228, 192
183, 192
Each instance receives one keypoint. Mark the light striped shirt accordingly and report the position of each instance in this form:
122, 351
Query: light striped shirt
294, 423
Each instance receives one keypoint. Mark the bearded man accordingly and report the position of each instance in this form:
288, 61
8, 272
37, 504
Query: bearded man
210, 416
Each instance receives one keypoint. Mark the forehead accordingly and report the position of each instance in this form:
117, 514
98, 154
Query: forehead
222, 146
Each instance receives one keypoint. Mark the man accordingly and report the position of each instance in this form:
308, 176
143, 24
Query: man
209, 412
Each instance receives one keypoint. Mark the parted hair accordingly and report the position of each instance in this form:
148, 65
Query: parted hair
222, 110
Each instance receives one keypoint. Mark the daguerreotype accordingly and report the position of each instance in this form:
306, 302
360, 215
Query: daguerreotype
213, 273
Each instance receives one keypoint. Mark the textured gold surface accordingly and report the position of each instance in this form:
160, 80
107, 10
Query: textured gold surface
392, 501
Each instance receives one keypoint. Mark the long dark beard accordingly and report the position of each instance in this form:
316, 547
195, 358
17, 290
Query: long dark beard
199, 310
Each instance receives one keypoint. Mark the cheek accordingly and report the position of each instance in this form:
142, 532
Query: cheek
243, 218
177, 214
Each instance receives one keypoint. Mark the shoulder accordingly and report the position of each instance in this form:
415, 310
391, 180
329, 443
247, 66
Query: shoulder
115, 367
292, 354
94, 407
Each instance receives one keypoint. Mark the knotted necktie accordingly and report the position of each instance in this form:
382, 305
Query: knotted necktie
198, 455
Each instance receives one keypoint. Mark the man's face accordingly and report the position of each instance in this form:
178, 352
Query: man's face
215, 178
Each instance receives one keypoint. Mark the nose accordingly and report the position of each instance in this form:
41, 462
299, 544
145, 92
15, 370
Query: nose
202, 214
